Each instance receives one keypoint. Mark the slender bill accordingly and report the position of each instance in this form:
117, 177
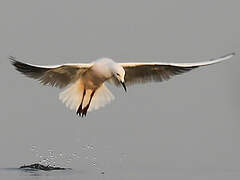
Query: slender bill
124, 86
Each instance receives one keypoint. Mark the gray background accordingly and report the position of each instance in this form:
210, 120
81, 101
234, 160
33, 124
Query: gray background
187, 128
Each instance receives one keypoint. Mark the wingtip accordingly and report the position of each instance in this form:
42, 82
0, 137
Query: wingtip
230, 55
12, 60
225, 57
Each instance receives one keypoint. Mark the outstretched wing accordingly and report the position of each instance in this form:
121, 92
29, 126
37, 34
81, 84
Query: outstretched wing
58, 76
148, 72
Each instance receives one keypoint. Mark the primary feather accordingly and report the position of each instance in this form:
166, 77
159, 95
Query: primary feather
58, 76
147, 72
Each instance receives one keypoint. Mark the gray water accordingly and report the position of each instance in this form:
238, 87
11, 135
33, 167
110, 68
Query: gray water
15, 173
185, 128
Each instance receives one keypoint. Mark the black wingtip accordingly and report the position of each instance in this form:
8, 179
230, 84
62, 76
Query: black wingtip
227, 56
12, 60
230, 54
27, 69
17, 64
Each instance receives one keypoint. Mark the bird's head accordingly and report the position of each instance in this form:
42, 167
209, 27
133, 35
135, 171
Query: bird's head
119, 74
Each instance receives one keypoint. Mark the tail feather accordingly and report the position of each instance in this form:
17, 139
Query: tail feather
102, 97
72, 97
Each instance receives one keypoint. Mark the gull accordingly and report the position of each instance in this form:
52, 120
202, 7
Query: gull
87, 90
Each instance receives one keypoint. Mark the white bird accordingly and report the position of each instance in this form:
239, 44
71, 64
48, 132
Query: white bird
88, 90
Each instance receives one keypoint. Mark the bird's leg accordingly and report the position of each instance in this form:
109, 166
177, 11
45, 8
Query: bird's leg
79, 111
84, 111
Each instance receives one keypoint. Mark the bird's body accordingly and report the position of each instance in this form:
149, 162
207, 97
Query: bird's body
93, 79
90, 83
98, 73
88, 90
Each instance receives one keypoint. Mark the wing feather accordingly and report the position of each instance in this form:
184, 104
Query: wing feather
58, 76
150, 72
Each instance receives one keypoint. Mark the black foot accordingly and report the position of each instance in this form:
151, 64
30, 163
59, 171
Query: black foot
79, 111
82, 112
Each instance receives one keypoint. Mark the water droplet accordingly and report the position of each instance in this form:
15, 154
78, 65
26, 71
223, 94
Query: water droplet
60, 155
91, 147
94, 163
33, 148
74, 154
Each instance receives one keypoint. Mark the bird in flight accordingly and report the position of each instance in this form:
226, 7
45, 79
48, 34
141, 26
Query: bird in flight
87, 90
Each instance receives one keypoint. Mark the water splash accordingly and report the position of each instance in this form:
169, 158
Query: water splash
87, 154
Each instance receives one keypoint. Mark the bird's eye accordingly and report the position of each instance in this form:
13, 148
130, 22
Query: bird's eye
118, 74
